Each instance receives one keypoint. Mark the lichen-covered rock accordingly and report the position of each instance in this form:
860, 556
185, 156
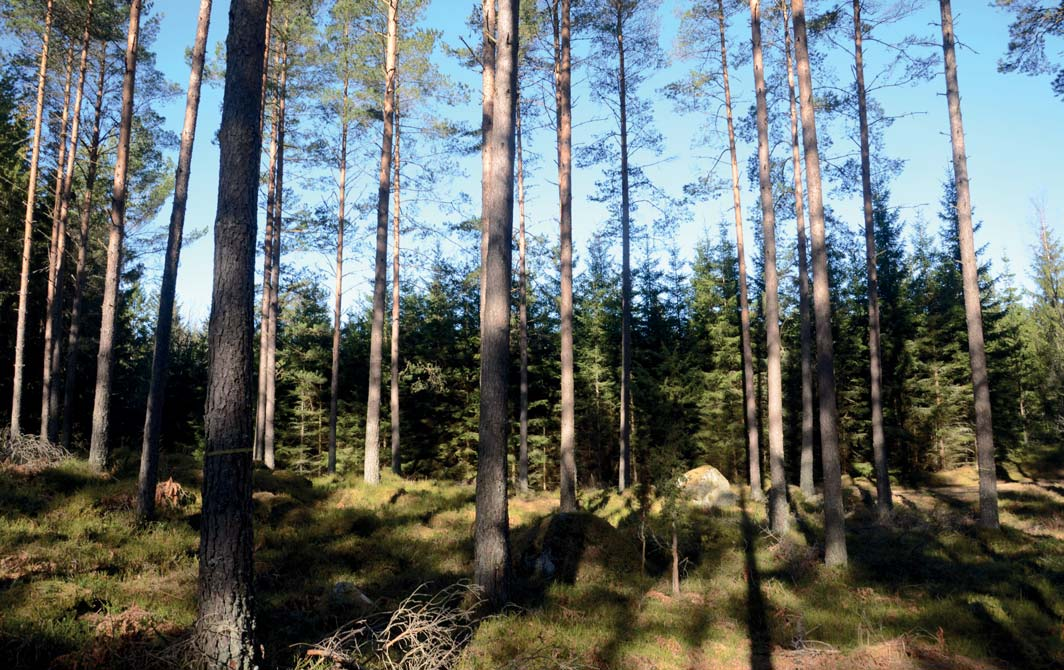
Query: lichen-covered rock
706, 487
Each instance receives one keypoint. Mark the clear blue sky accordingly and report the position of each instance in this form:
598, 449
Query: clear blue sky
1012, 122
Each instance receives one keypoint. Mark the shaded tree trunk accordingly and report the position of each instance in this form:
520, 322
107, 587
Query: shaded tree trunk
805, 477
81, 268
101, 412
334, 376
269, 430
372, 466
778, 511
224, 631
875, 358
984, 432
149, 454
624, 467
397, 465
522, 314
563, 98
27, 231
749, 395
491, 561
834, 515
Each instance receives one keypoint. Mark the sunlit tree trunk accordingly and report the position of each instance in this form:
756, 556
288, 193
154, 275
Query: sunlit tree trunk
27, 232
225, 625
624, 467
834, 515
522, 314
487, 85
749, 396
777, 495
492, 535
875, 359
334, 376
397, 465
101, 413
149, 454
984, 432
372, 466
269, 430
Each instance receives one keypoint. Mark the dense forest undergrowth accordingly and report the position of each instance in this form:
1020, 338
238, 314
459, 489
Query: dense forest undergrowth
83, 586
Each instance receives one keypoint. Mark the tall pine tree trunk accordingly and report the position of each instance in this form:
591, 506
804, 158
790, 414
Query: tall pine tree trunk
334, 375
491, 560
81, 267
749, 396
624, 467
269, 430
563, 73
149, 454
777, 496
805, 477
27, 231
101, 412
522, 313
397, 464
487, 85
875, 357
984, 431
224, 631
372, 466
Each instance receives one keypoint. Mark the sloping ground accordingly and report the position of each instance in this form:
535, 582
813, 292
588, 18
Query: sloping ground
81, 586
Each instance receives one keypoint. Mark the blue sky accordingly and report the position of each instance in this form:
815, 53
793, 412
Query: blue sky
1014, 139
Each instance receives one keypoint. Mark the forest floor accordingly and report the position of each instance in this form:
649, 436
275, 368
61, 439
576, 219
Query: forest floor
81, 586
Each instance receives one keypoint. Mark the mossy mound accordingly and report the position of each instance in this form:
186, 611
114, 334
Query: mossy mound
574, 548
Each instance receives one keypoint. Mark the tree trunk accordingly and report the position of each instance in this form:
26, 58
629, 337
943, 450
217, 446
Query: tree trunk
225, 625
149, 454
564, 110
834, 515
397, 465
492, 535
778, 511
805, 477
675, 561
749, 396
522, 454
624, 469
101, 412
372, 466
268, 441
487, 85
56, 249
74, 337
334, 377
875, 359
984, 432
27, 232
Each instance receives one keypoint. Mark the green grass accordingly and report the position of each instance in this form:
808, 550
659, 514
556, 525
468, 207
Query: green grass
82, 586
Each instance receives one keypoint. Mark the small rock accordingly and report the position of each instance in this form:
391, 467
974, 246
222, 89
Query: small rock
346, 594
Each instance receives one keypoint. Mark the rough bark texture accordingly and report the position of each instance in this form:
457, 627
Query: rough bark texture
984, 432
624, 466
805, 477
492, 527
268, 441
149, 452
778, 511
749, 397
81, 265
834, 515
522, 315
27, 232
875, 359
101, 411
224, 632
372, 466
563, 74
334, 376
393, 390
487, 85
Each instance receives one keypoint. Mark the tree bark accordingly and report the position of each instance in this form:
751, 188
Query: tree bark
522, 313
101, 413
834, 515
487, 85
749, 396
778, 511
74, 336
27, 232
224, 631
149, 454
624, 467
805, 477
563, 74
984, 431
397, 464
268, 455
491, 539
56, 253
875, 358
334, 377
372, 466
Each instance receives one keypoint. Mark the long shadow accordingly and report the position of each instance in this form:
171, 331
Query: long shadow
756, 615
